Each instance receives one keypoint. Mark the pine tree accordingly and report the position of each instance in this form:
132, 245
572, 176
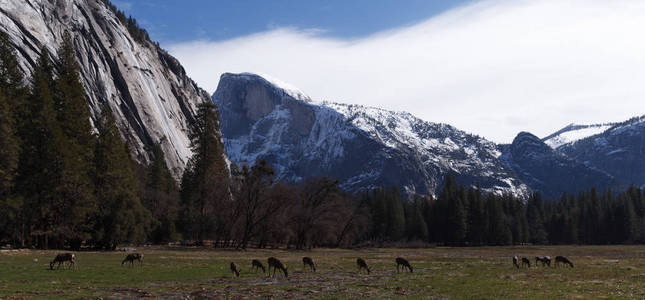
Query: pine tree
9, 151
73, 116
120, 217
161, 197
534, 215
39, 167
477, 221
205, 183
498, 231
452, 199
11, 77
395, 215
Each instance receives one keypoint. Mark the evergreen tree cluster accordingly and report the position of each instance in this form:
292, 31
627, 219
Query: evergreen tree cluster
466, 217
61, 184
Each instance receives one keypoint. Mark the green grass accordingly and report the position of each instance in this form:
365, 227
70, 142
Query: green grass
612, 272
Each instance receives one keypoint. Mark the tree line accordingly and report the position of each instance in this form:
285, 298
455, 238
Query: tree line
461, 216
69, 181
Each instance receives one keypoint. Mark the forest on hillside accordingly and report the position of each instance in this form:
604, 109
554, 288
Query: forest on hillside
66, 182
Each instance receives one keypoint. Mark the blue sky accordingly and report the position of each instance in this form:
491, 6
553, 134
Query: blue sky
173, 21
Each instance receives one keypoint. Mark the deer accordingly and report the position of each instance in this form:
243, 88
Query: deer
132, 257
307, 261
277, 264
563, 260
256, 265
235, 270
545, 260
403, 263
362, 265
61, 259
526, 261
516, 261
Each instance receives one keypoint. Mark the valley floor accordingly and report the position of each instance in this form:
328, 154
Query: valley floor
445, 273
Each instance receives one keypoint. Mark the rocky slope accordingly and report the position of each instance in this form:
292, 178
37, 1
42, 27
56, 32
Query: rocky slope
549, 171
619, 151
152, 98
363, 147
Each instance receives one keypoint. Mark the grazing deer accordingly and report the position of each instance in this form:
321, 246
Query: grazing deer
563, 260
277, 264
61, 259
307, 261
132, 257
362, 265
403, 263
256, 264
516, 261
526, 261
235, 270
546, 260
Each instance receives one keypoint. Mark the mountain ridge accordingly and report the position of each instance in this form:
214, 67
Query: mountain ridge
363, 147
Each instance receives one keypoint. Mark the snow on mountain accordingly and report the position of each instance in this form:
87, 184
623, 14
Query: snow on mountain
147, 89
361, 146
573, 132
619, 151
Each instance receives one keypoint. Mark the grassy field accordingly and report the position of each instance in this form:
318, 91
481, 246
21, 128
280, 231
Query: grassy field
613, 272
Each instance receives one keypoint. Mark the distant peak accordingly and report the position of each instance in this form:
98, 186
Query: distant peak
287, 88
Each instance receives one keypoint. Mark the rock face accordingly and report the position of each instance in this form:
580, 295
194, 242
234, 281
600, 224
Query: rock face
363, 147
152, 98
619, 151
549, 171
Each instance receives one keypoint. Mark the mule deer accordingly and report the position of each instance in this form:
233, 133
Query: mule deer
256, 264
61, 259
307, 261
526, 261
545, 260
235, 270
362, 265
516, 261
132, 257
563, 260
277, 264
403, 263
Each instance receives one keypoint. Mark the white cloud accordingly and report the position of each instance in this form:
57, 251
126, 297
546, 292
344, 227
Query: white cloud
493, 68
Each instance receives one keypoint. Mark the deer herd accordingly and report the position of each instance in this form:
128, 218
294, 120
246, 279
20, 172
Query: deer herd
401, 263
544, 260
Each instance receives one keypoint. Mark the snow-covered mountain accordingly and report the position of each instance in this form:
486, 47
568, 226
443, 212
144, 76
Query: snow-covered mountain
619, 151
148, 90
574, 132
361, 146
550, 172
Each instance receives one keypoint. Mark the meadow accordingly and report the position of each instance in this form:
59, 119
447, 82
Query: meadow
611, 272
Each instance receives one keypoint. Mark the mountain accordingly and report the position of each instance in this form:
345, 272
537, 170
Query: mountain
548, 171
574, 132
152, 98
361, 146
619, 151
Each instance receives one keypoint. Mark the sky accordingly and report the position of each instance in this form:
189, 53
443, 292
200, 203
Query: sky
492, 67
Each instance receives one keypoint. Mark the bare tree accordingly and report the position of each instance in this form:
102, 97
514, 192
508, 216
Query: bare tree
315, 213
255, 203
